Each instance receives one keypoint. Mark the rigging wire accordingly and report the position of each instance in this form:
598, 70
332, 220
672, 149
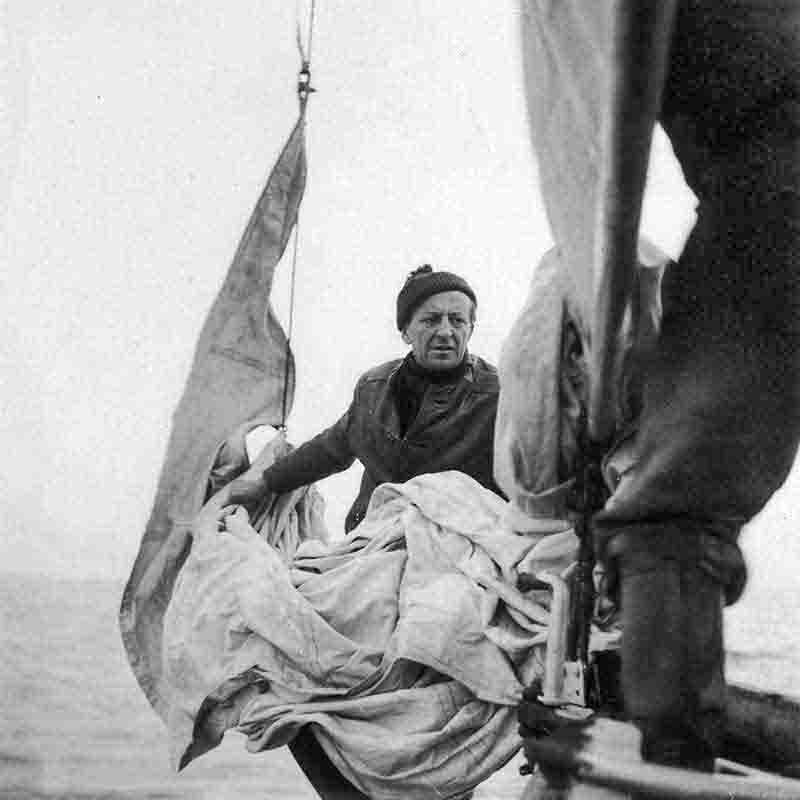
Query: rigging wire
304, 89
289, 327
305, 52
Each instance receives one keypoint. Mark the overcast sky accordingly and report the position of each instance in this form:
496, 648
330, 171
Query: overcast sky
134, 141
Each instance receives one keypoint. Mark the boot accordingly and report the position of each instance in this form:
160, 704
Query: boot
672, 658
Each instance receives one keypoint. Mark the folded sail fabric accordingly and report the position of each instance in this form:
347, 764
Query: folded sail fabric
405, 645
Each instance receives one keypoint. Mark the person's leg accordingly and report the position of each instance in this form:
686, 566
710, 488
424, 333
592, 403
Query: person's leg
672, 678
721, 417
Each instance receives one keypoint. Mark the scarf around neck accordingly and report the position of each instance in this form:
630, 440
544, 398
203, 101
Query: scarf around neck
411, 381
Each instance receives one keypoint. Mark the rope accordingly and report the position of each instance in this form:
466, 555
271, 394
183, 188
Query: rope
311, 15
304, 89
290, 326
305, 54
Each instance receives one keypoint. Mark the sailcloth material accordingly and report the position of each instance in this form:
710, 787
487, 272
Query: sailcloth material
564, 349
238, 374
405, 646
566, 50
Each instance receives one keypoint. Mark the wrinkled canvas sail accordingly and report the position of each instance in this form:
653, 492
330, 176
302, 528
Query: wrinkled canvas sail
404, 646
594, 70
238, 374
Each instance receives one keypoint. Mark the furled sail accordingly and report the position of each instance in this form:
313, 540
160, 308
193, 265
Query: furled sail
242, 371
594, 70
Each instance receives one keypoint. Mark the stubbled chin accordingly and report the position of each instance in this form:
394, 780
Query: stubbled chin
443, 359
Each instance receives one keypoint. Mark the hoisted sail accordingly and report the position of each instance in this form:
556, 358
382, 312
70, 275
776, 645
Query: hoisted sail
242, 370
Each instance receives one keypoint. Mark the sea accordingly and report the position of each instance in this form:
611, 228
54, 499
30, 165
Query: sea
75, 726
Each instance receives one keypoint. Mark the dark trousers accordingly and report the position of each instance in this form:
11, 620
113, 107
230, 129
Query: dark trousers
721, 415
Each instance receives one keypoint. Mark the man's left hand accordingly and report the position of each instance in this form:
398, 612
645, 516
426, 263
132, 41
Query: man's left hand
242, 491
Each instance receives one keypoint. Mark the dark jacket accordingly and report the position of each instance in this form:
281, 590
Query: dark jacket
453, 429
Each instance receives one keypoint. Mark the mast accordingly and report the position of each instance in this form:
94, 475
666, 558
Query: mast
640, 48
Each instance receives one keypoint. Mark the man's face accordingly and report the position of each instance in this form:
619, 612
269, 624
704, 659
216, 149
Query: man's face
440, 329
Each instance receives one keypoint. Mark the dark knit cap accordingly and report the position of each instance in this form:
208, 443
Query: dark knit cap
421, 284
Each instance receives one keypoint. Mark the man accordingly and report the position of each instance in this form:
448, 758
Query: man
432, 411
